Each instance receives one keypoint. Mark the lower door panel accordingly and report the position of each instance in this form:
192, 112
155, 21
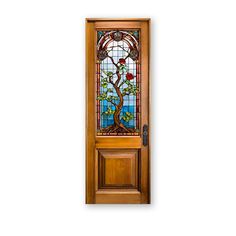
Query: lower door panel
117, 175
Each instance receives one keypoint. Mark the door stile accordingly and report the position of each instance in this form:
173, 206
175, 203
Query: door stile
90, 114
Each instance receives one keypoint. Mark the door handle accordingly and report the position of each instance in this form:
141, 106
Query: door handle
145, 135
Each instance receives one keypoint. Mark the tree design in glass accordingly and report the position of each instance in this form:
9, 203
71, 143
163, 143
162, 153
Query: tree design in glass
118, 83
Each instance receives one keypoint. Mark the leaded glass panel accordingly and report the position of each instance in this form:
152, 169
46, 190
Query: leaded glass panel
118, 82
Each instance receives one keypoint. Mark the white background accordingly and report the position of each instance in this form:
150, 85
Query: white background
42, 106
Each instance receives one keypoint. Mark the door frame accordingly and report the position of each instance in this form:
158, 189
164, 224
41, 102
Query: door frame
91, 24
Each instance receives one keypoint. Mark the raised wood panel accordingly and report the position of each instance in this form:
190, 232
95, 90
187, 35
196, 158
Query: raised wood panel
118, 168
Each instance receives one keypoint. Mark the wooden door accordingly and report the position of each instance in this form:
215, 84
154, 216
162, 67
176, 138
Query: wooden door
117, 115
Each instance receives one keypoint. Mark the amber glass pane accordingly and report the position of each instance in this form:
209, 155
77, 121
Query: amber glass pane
118, 83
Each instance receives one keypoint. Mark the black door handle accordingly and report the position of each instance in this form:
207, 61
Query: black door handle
145, 135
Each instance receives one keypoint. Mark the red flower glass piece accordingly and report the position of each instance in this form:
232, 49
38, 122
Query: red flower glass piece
122, 61
129, 76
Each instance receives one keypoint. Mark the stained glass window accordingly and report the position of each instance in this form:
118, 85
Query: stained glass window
118, 82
